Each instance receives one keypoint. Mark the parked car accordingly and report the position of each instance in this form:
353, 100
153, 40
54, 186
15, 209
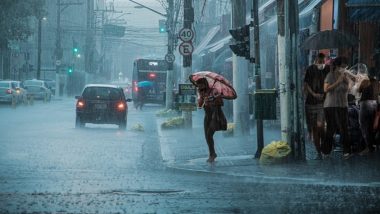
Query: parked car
10, 92
38, 89
50, 85
102, 104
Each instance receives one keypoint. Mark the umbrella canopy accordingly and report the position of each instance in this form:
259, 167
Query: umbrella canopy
143, 84
216, 81
329, 39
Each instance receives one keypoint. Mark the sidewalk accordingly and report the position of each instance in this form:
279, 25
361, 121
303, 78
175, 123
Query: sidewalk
187, 150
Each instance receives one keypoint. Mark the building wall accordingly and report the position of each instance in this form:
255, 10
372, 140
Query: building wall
366, 32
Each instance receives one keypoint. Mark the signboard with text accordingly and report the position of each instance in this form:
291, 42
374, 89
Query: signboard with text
187, 97
186, 48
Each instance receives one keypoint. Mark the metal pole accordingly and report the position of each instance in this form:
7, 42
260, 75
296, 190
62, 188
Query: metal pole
39, 48
169, 74
187, 60
58, 49
298, 142
259, 125
240, 75
283, 79
89, 38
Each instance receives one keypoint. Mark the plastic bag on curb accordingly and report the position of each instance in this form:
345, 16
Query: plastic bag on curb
275, 152
138, 127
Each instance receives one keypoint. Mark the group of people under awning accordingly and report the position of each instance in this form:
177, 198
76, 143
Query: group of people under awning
339, 104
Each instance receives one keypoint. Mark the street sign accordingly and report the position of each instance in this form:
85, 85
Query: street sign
187, 89
186, 48
58, 62
187, 96
169, 58
186, 34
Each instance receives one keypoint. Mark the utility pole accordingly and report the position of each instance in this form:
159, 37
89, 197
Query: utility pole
58, 46
58, 50
188, 19
298, 142
259, 122
289, 78
103, 47
39, 48
169, 74
240, 75
89, 50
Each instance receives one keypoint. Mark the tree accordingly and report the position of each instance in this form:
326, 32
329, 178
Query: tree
14, 19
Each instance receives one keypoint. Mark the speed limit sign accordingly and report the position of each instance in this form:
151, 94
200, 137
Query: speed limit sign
186, 34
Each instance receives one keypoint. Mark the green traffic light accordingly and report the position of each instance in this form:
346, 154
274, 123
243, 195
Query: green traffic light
70, 70
75, 50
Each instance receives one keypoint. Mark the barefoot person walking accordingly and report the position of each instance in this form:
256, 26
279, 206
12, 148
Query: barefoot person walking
212, 89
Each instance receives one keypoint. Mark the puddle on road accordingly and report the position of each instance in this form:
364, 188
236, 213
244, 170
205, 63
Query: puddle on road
144, 191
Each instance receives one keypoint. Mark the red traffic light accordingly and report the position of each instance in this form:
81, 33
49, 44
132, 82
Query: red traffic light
152, 75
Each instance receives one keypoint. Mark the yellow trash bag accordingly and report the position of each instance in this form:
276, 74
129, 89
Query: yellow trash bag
275, 152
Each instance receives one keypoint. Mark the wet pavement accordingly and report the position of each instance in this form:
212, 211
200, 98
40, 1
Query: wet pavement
48, 166
236, 158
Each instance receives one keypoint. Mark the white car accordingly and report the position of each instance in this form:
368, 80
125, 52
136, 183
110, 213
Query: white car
38, 89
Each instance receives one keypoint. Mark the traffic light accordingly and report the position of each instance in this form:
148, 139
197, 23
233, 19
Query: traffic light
162, 26
70, 69
75, 48
241, 47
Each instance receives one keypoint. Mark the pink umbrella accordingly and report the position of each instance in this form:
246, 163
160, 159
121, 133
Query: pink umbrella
216, 81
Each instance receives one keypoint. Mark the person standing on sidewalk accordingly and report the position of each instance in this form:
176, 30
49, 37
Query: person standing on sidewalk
214, 119
369, 89
313, 84
336, 106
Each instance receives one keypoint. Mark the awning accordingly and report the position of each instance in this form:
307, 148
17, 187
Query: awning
210, 35
363, 3
219, 44
364, 10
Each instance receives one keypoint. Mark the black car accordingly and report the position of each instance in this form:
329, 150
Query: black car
102, 104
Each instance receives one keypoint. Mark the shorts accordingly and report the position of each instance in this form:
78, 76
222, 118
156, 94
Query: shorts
314, 114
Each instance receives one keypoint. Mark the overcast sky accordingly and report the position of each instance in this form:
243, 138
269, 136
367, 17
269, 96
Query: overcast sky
140, 16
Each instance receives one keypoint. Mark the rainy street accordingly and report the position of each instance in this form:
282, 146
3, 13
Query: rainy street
47, 166
189, 106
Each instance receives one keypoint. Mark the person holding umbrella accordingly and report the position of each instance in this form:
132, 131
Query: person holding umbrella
212, 88
143, 87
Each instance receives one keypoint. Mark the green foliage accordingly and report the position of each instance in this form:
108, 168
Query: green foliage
14, 19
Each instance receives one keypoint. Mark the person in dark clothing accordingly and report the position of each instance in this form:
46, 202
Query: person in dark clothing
313, 86
369, 89
141, 96
354, 131
214, 120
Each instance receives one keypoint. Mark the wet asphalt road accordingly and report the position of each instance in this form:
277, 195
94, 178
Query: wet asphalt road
48, 166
